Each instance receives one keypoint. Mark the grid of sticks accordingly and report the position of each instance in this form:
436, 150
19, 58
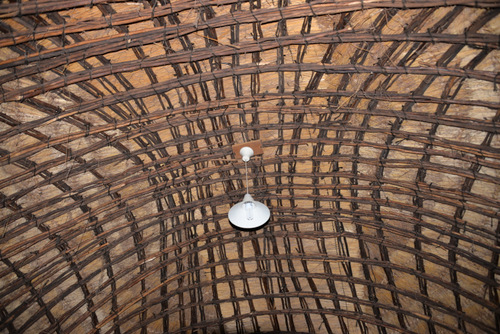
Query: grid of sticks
379, 122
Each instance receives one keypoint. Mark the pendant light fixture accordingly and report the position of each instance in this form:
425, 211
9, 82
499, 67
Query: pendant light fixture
248, 214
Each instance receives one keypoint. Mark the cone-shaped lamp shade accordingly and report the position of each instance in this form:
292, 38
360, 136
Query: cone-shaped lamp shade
249, 214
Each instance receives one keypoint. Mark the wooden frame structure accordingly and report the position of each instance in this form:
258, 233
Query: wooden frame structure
379, 127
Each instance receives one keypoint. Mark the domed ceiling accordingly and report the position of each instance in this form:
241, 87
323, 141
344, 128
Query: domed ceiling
379, 127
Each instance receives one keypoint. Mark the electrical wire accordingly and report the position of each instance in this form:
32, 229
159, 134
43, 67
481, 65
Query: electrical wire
246, 173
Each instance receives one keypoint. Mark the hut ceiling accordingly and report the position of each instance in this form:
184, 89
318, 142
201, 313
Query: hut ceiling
379, 126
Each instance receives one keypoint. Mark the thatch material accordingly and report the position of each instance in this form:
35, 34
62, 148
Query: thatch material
379, 123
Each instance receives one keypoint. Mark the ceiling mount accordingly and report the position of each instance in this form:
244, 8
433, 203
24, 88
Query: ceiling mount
246, 153
255, 145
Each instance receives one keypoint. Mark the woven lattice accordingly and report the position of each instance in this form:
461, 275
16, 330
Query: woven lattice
379, 125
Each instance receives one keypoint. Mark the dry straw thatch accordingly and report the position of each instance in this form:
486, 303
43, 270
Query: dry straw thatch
379, 124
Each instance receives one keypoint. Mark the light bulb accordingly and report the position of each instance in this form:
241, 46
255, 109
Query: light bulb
249, 210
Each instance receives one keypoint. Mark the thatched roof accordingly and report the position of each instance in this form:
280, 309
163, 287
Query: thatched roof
379, 126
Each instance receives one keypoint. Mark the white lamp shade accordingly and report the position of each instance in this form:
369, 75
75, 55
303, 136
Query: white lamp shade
249, 214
